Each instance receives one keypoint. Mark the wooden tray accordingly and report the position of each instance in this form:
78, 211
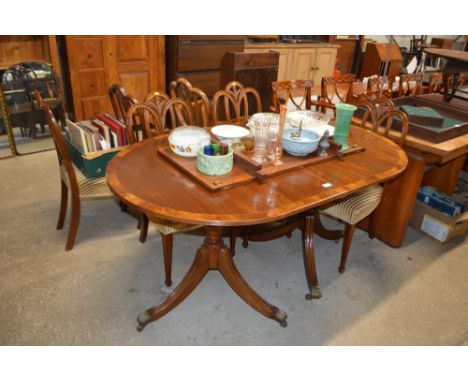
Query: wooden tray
290, 162
246, 170
434, 135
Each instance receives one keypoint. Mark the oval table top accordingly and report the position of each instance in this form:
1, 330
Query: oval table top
149, 183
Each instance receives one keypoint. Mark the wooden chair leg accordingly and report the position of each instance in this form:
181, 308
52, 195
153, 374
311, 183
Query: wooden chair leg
371, 228
143, 225
347, 238
245, 241
63, 205
123, 206
167, 242
74, 221
232, 241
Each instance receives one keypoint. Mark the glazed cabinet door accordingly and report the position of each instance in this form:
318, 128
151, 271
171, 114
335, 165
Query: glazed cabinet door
97, 62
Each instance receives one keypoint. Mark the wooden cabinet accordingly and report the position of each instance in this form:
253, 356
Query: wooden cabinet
300, 61
198, 58
16, 49
96, 62
257, 70
376, 57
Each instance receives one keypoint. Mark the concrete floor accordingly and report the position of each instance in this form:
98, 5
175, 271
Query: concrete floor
413, 295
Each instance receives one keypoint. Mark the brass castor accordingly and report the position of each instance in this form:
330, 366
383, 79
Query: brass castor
314, 293
143, 319
281, 317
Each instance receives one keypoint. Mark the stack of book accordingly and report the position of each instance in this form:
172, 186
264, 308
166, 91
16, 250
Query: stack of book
102, 133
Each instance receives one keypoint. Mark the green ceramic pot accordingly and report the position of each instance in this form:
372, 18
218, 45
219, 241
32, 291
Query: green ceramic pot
344, 114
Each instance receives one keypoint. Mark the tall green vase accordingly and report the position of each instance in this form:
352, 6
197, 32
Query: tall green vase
344, 113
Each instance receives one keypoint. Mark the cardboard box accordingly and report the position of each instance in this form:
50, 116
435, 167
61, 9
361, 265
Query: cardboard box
440, 201
436, 224
92, 165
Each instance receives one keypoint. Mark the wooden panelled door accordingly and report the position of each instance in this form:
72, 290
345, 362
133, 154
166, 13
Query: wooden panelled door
97, 62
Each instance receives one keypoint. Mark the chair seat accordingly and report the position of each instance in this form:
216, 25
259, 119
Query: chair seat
95, 188
167, 227
357, 206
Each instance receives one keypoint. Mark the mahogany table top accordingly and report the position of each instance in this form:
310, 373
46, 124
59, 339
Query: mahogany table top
146, 181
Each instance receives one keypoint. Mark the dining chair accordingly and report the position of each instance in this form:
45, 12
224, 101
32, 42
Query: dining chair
436, 83
171, 112
195, 97
356, 207
337, 88
72, 180
410, 84
379, 86
296, 92
151, 126
231, 104
120, 101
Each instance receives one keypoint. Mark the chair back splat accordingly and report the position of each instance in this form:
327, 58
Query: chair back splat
171, 112
231, 105
120, 101
298, 92
195, 98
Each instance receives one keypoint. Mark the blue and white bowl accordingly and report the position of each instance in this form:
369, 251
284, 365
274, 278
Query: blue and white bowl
306, 144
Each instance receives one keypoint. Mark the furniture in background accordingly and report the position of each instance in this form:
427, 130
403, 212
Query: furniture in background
198, 59
94, 63
376, 57
457, 63
19, 82
348, 52
410, 84
301, 60
442, 43
436, 83
429, 164
72, 181
256, 70
195, 97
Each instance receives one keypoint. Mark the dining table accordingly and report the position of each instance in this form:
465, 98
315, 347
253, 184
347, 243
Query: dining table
143, 178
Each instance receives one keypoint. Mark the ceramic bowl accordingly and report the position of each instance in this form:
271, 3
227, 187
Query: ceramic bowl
185, 141
306, 144
229, 133
214, 164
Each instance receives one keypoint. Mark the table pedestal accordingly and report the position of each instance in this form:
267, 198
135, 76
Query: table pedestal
212, 255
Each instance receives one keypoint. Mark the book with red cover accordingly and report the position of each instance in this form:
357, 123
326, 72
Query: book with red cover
116, 126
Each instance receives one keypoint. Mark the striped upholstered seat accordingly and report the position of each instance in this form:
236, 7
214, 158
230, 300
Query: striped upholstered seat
357, 206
